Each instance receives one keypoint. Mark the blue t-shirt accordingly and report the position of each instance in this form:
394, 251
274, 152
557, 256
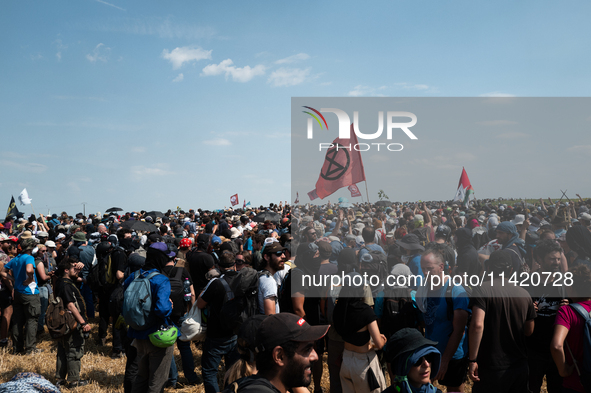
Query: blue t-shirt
18, 265
414, 264
437, 326
248, 245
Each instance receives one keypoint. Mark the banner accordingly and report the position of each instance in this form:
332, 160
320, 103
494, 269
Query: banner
12, 210
464, 189
24, 197
312, 195
234, 200
342, 166
354, 191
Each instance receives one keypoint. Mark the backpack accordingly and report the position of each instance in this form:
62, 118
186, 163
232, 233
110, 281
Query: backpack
177, 288
585, 370
423, 235
137, 302
398, 313
59, 320
377, 267
241, 299
262, 384
450, 302
102, 274
284, 293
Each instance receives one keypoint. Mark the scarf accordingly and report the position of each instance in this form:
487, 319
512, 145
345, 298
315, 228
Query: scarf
404, 362
509, 227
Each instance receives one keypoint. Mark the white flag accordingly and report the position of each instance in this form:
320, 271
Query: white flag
24, 197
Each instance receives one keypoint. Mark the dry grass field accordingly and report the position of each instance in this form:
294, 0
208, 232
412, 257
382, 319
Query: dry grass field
105, 373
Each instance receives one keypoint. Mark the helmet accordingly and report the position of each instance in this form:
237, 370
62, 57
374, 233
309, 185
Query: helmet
164, 337
185, 243
443, 231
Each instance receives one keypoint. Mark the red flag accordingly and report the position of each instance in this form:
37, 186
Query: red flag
354, 191
297, 200
244, 204
312, 195
464, 189
342, 166
234, 200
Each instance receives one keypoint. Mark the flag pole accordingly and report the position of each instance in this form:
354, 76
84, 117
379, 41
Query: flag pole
366, 192
32, 208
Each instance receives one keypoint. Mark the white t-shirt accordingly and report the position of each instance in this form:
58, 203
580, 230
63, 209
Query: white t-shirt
267, 290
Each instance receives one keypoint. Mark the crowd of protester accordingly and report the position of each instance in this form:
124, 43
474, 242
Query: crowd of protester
246, 270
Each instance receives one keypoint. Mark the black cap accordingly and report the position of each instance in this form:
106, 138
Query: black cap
410, 242
281, 328
273, 248
404, 341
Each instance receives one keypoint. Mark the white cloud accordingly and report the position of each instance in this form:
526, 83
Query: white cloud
294, 58
111, 5
100, 52
185, 54
139, 172
585, 149
513, 135
497, 94
179, 78
138, 149
60, 47
168, 28
288, 76
38, 56
217, 142
29, 167
238, 74
361, 90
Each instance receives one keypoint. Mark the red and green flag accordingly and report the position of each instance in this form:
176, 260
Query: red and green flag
465, 189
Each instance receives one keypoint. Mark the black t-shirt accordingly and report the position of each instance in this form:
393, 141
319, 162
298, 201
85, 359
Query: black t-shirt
538, 344
200, 263
118, 260
507, 308
65, 289
179, 306
256, 384
214, 296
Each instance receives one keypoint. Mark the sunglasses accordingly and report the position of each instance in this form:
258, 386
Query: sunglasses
279, 253
429, 360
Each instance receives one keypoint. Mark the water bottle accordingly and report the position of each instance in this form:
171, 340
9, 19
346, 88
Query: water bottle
187, 288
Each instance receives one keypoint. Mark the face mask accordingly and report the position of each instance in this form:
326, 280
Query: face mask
405, 258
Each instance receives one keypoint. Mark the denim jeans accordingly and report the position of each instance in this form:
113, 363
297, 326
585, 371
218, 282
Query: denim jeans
44, 299
187, 362
213, 350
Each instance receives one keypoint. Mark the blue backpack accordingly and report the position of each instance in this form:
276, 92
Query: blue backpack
137, 302
586, 369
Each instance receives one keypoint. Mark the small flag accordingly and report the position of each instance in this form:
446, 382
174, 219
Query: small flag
354, 191
234, 200
248, 203
12, 210
297, 200
464, 189
244, 204
312, 195
24, 197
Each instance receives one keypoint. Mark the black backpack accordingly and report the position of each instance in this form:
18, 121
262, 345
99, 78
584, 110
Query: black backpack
377, 267
399, 312
101, 274
177, 288
241, 299
285, 302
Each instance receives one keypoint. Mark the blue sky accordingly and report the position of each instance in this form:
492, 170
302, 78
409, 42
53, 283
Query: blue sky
150, 105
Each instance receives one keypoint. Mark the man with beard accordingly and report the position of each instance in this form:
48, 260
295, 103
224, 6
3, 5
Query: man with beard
273, 260
285, 355
547, 301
